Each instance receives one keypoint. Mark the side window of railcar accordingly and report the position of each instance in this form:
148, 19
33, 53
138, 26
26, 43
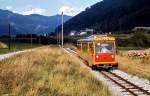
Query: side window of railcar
79, 46
91, 48
84, 47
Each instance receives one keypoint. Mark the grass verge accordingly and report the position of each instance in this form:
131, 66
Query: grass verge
18, 47
2, 45
135, 66
47, 71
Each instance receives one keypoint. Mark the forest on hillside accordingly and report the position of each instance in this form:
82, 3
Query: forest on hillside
112, 15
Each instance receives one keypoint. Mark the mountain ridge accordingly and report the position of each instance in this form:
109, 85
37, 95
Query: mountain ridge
24, 24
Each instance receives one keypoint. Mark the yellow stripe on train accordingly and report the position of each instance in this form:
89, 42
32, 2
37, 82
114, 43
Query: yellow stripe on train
105, 38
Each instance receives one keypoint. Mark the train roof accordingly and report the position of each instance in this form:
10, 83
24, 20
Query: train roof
96, 38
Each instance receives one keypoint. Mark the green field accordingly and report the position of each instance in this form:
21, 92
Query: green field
17, 46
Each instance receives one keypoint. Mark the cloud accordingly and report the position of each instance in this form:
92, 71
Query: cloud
68, 10
33, 10
8, 7
15, 11
27, 10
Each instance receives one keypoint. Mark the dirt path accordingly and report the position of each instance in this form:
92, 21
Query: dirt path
8, 55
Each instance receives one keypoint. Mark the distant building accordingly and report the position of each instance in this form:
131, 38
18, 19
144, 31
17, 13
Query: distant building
86, 32
81, 32
73, 33
141, 28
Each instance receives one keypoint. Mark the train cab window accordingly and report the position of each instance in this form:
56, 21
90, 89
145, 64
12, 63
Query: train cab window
104, 47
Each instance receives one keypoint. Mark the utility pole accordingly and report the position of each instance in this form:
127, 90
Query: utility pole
31, 39
59, 34
120, 25
9, 36
39, 39
57, 37
62, 30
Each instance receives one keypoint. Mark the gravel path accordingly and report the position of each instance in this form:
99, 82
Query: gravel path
5, 56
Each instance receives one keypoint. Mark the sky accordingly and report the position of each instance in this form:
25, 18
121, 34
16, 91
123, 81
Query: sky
46, 7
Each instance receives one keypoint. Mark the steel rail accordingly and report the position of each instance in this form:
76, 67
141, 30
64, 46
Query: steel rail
133, 86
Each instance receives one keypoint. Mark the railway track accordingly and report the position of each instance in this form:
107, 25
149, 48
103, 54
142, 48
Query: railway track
128, 87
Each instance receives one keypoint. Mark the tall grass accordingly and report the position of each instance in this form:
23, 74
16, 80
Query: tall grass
2, 45
47, 71
134, 66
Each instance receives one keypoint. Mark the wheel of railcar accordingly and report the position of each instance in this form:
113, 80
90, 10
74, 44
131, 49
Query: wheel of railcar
114, 67
94, 67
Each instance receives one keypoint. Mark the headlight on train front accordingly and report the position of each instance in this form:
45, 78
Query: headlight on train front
97, 56
112, 56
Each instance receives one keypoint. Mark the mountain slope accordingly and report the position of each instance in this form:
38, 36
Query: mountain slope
112, 15
23, 24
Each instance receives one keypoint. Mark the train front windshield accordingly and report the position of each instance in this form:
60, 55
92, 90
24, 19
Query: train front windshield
104, 47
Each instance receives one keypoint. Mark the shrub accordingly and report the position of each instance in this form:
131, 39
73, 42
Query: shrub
139, 39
